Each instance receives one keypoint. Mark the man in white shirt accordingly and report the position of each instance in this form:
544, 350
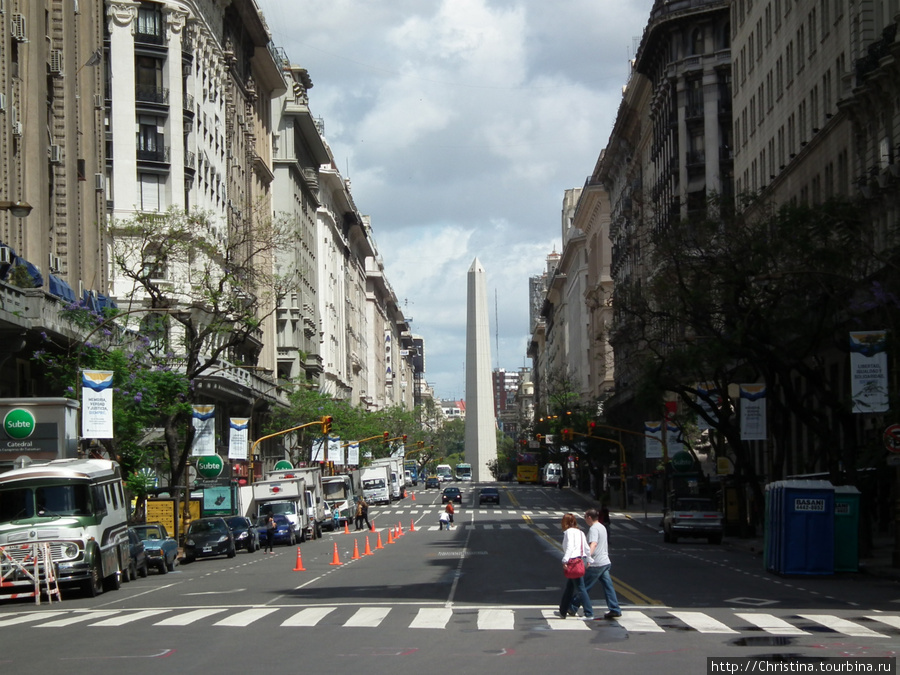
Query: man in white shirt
598, 571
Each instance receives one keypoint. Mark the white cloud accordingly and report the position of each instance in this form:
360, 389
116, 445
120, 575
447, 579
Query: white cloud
460, 124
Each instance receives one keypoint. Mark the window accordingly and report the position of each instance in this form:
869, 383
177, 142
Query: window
697, 42
149, 23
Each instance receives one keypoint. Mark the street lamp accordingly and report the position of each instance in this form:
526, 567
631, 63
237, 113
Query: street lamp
19, 209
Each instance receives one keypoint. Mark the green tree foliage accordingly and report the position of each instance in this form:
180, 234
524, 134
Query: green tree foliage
762, 296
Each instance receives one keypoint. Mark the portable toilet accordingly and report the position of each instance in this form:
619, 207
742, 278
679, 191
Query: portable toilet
800, 525
846, 528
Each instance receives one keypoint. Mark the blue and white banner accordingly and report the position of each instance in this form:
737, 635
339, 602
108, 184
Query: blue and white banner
353, 453
335, 451
239, 428
753, 412
96, 404
653, 446
317, 452
709, 400
868, 371
673, 445
204, 420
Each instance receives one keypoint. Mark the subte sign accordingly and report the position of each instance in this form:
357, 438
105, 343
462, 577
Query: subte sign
892, 438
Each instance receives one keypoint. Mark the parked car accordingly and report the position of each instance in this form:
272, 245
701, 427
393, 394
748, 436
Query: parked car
137, 557
451, 494
284, 533
208, 537
489, 495
432, 482
161, 549
245, 534
692, 517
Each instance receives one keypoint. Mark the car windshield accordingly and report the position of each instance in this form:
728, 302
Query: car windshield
149, 533
694, 505
207, 526
489, 491
237, 522
451, 491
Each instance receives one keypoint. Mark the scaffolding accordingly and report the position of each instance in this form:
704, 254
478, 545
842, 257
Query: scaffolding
31, 568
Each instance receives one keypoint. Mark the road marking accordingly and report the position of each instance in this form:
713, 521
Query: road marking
246, 617
842, 625
432, 617
702, 623
122, 619
367, 617
771, 624
556, 623
496, 619
189, 617
631, 594
30, 617
637, 622
78, 618
309, 616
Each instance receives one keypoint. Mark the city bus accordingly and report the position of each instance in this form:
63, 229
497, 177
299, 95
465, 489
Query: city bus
464, 472
528, 473
78, 508
444, 472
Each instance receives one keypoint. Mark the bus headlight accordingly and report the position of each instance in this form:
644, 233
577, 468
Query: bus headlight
69, 551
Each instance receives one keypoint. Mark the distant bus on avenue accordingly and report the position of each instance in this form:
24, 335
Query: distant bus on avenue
528, 473
464, 472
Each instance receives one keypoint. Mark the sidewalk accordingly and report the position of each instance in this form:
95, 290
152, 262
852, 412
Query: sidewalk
878, 564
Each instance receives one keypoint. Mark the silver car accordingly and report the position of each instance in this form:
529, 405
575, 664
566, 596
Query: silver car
692, 516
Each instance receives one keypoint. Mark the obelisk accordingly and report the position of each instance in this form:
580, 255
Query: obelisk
481, 426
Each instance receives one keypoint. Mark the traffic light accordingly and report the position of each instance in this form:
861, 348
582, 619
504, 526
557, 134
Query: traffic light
566, 435
539, 437
592, 427
386, 435
326, 425
421, 444
404, 438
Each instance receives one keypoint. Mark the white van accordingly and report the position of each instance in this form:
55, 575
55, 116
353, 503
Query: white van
551, 474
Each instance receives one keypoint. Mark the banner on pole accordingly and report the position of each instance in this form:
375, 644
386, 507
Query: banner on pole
353, 453
868, 371
238, 437
317, 453
96, 404
335, 451
653, 446
204, 420
753, 412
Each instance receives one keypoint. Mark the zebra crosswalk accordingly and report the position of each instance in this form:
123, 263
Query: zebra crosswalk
531, 618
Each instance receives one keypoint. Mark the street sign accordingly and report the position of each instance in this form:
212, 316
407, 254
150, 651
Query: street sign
283, 465
682, 461
210, 466
892, 438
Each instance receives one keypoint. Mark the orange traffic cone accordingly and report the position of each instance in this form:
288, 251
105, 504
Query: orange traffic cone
413, 495
346, 527
356, 555
399, 530
412, 526
378, 545
372, 525
299, 566
368, 550
390, 537
335, 560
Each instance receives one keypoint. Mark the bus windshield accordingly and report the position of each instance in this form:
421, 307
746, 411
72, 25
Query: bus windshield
53, 501
334, 490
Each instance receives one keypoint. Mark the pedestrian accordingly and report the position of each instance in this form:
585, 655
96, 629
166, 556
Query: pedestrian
270, 533
574, 546
444, 519
598, 570
362, 514
449, 511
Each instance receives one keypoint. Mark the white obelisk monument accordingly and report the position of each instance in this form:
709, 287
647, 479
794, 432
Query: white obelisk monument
481, 425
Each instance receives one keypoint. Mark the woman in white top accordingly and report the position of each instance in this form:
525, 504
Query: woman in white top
574, 546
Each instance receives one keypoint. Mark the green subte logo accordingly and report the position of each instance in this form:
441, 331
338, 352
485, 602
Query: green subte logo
19, 423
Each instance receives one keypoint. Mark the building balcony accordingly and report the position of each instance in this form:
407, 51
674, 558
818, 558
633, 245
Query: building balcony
152, 98
158, 155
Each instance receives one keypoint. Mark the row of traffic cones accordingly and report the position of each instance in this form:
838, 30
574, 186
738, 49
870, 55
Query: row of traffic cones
336, 560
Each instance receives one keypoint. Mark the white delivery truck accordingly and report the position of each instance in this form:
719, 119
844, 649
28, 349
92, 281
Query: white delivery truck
315, 503
340, 491
286, 497
376, 484
398, 482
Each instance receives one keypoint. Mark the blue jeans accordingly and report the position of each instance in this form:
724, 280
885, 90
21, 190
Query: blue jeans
591, 577
575, 591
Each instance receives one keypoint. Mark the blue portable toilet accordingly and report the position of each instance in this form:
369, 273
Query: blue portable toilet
800, 527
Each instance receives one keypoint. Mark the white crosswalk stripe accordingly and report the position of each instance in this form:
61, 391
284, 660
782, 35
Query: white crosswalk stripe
638, 621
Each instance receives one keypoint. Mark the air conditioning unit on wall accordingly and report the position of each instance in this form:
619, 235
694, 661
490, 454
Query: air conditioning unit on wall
17, 30
56, 61
99, 182
55, 154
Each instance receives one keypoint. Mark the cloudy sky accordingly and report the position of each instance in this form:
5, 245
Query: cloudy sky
460, 124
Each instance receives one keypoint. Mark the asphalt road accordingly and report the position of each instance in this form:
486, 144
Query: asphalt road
480, 596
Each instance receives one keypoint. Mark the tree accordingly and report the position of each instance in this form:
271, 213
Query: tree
199, 291
761, 296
